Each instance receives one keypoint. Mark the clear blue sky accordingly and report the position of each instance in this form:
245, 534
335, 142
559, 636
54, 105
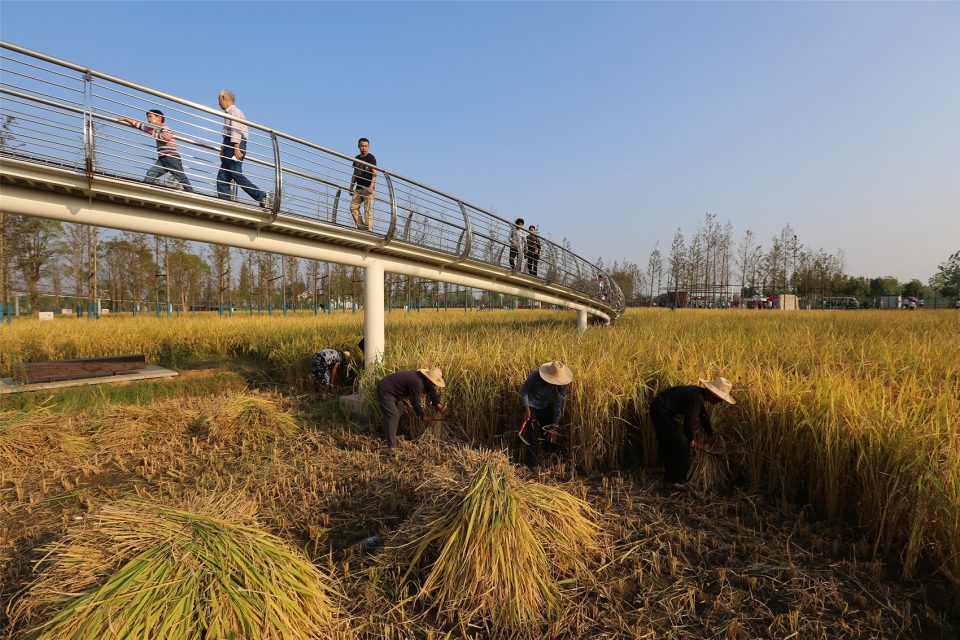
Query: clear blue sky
611, 124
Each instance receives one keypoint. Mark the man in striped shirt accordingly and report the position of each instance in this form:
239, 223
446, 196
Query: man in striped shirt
233, 150
168, 158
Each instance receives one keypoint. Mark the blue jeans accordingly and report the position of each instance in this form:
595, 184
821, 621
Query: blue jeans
231, 170
171, 164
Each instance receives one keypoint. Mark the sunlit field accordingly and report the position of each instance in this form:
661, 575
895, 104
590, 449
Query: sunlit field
835, 510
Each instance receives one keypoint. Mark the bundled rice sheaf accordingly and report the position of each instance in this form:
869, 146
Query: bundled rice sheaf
497, 547
141, 569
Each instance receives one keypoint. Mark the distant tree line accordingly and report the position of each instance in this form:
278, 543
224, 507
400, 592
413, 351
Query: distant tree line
708, 264
54, 265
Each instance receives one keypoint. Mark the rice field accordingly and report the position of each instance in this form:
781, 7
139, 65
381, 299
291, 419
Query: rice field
828, 505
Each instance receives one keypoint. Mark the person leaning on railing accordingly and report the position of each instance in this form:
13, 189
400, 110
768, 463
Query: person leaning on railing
168, 158
516, 241
233, 150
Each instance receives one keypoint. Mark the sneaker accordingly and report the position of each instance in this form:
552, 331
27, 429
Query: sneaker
266, 202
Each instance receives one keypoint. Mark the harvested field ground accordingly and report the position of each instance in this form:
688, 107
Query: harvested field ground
696, 564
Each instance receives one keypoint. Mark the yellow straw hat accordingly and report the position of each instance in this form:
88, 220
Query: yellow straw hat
720, 387
435, 376
556, 372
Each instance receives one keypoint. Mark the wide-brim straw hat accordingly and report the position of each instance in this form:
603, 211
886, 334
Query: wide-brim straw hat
435, 376
555, 372
720, 387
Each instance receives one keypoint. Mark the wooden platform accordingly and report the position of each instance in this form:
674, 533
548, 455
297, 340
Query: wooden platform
81, 368
146, 373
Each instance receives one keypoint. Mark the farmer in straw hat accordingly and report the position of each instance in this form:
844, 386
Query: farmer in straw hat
410, 385
690, 402
543, 395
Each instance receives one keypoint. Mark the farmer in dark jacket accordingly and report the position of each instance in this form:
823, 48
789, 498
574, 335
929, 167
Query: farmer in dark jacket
674, 441
410, 385
543, 395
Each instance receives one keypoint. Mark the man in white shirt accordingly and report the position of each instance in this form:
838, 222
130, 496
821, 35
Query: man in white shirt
233, 150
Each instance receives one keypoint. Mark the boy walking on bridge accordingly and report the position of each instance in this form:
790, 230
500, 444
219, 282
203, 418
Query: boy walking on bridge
168, 158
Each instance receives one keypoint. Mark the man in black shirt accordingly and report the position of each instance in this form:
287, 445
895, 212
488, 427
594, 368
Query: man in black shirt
361, 185
689, 402
410, 385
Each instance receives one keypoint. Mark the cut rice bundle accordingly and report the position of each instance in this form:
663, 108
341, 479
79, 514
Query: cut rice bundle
711, 468
150, 570
496, 547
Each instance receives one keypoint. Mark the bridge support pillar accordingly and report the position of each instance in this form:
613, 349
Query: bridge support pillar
581, 320
373, 334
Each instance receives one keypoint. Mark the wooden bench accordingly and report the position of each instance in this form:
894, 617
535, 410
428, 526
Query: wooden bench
53, 370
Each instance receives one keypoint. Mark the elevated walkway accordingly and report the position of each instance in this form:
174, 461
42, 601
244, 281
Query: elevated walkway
65, 156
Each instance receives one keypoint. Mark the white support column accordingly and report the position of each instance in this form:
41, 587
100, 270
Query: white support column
581, 320
373, 335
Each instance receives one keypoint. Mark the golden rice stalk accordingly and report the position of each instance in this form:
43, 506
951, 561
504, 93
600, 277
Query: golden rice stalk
710, 469
142, 569
248, 419
497, 547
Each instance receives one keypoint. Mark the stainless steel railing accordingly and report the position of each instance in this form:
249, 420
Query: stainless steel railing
60, 113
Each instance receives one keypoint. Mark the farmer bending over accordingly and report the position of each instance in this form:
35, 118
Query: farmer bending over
323, 368
690, 402
410, 385
543, 395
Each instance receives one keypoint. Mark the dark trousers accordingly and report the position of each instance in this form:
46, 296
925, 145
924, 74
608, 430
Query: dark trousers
513, 258
532, 263
168, 164
231, 170
534, 434
672, 445
391, 417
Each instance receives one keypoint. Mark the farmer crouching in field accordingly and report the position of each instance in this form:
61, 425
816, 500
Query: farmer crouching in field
543, 395
410, 385
323, 368
674, 441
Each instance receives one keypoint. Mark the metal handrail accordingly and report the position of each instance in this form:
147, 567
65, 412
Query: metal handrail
393, 209
468, 232
305, 176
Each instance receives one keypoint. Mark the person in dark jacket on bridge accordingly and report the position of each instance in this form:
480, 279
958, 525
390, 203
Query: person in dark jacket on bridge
675, 442
531, 250
410, 385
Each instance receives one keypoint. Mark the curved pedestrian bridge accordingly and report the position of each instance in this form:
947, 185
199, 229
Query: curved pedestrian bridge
64, 155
